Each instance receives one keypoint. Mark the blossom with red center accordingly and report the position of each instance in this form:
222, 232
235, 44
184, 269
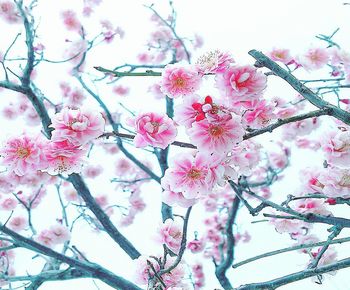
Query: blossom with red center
23, 154
219, 136
240, 83
194, 110
154, 129
185, 114
179, 81
78, 126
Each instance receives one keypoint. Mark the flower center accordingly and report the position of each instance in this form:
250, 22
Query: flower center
23, 152
180, 83
216, 131
345, 181
194, 173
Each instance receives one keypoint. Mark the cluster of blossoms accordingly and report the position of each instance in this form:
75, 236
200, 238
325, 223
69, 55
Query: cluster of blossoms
55, 235
174, 279
73, 130
315, 58
215, 126
9, 12
327, 183
163, 46
21, 108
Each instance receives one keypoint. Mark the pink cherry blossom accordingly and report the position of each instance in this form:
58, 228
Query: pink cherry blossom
71, 21
60, 233
64, 158
173, 198
10, 112
179, 80
18, 223
154, 129
240, 83
170, 234
278, 160
23, 154
336, 145
121, 90
281, 55
260, 114
300, 128
124, 166
339, 56
143, 272
196, 245
218, 136
311, 205
156, 91
328, 257
93, 171
185, 114
194, 175
290, 226
31, 117
8, 203
314, 58
47, 238
214, 62
78, 126
335, 182
8, 11
73, 98
244, 157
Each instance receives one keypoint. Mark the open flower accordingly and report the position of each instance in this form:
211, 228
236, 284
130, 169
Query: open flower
23, 154
194, 175
78, 126
219, 136
154, 129
179, 81
241, 83
64, 158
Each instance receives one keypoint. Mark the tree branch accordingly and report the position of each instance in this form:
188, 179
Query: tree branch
264, 61
294, 248
220, 270
276, 283
102, 217
95, 270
